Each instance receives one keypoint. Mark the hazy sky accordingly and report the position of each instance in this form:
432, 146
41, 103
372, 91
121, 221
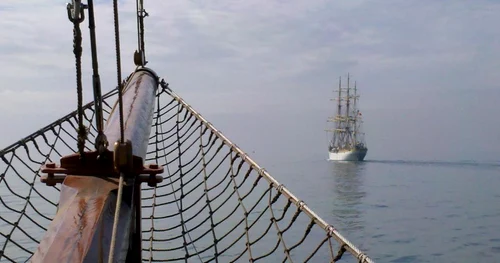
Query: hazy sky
264, 70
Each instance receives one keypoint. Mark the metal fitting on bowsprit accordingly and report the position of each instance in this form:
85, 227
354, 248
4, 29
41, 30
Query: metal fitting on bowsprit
123, 158
76, 11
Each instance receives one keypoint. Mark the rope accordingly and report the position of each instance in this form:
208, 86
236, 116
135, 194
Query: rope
122, 127
340, 253
118, 68
77, 17
179, 203
117, 217
184, 139
26, 205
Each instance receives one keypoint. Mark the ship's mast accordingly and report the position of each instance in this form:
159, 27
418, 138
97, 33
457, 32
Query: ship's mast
339, 104
347, 128
355, 115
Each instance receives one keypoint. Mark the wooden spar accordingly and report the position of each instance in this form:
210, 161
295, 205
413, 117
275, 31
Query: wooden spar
82, 227
138, 106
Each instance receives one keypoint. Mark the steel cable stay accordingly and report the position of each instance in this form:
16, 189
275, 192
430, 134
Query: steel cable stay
101, 142
121, 145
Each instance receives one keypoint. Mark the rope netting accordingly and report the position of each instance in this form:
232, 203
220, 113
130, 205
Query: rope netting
27, 205
215, 204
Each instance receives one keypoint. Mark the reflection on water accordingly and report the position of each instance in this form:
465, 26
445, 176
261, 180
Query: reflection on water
467, 163
348, 193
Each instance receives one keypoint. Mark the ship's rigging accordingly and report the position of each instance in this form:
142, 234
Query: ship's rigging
217, 202
347, 122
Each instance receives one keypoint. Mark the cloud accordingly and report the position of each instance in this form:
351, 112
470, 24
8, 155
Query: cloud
248, 56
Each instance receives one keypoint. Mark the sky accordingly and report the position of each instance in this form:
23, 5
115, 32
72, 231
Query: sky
263, 71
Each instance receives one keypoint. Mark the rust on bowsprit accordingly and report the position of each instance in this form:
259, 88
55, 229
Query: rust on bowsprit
85, 198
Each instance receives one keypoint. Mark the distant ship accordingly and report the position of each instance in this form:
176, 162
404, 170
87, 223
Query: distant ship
347, 142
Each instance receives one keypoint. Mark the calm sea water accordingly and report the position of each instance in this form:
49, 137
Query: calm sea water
394, 210
406, 211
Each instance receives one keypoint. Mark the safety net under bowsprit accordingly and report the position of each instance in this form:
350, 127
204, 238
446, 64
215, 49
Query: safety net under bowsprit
215, 204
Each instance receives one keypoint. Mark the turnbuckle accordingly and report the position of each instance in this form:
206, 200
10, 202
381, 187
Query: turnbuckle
142, 13
76, 11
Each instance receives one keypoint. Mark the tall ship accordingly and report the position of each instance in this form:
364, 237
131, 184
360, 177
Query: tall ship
347, 142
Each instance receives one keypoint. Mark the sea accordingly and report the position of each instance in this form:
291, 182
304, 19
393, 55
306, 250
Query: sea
410, 206
429, 187
408, 209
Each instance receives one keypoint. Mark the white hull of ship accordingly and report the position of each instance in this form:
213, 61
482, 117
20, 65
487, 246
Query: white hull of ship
352, 155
